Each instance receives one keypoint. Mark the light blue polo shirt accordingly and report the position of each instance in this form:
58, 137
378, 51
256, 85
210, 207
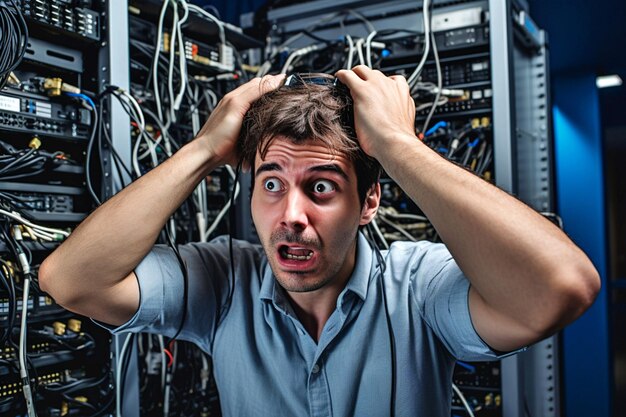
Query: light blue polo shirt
266, 364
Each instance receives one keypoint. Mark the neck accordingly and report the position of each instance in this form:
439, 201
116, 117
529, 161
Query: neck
315, 307
313, 310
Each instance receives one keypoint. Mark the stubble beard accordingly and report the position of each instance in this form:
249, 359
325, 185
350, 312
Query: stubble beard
295, 281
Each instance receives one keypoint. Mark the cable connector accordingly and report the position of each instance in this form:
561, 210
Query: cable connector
53, 86
13, 80
69, 88
449, 92
35, 143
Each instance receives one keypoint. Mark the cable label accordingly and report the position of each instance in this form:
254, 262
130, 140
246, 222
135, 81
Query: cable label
9, 103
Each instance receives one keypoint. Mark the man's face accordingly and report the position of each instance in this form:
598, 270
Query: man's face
306, 210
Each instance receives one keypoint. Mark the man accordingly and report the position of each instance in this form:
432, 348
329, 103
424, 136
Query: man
316, 322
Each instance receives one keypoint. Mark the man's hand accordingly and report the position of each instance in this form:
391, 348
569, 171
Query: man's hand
125, 228
221, 130
527, 278
383, 108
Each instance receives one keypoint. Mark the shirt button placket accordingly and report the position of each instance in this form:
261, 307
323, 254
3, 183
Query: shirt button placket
319, 394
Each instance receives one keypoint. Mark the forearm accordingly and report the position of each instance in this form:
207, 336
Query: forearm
528, 279
110, 243
520, 264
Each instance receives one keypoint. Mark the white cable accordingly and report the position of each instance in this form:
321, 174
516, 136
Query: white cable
118, 376
182, 58
350, 52
398, 228
136, 106
205, 371
379, 234
135, 158
298, 53
267, 65
19, 218
368, 47
42, 235
45, 238
213, 97
359, 50
155, 61
200, 190
219, 23
426, 18
28, 394
224, 210
463, 400
391, 212
170, 64
168, 384
289, 60
163, 360
443, 100
195, 116
439, 85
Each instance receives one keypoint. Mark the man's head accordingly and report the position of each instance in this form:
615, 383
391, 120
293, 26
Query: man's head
313, 185
312, 109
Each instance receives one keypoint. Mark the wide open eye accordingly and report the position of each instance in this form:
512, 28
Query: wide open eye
323, 187
272, 185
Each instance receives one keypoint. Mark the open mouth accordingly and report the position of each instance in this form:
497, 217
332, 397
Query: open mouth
295, 253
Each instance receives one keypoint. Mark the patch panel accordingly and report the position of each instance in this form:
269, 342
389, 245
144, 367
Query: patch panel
36, 114
59, 14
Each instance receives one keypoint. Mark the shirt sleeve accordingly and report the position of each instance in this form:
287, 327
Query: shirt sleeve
441, 293
161, 288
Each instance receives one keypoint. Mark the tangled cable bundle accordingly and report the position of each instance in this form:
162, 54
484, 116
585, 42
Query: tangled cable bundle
13, 39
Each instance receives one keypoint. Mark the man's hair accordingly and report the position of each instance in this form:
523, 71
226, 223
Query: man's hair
317, 111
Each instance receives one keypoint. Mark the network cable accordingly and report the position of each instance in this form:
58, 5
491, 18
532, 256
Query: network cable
13, 39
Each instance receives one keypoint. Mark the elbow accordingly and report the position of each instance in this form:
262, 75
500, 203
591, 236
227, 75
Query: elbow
574, 293
44, 277
49, 282
588, 285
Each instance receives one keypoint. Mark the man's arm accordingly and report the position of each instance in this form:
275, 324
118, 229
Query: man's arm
528, 279
91, 273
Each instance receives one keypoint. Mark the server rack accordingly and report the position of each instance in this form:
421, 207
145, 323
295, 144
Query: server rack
68, 51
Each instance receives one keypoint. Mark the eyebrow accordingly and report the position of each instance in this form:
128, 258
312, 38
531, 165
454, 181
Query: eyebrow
272, 166
330, 168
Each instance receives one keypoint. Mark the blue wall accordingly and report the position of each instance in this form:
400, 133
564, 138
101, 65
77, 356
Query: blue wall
581, 203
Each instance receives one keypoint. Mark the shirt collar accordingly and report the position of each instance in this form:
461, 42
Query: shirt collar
358, 282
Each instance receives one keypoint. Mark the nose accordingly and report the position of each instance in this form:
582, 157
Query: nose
295, 211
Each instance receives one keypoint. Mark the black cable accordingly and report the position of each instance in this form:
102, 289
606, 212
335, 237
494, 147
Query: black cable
81, 404
7, 282
90, 144
231, 225
183, 268
117, 160
439, 80
13, 177
13, 39
108, 138
75, 385
19, 159
158, 122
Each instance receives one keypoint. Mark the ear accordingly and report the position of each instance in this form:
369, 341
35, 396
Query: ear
370, 207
